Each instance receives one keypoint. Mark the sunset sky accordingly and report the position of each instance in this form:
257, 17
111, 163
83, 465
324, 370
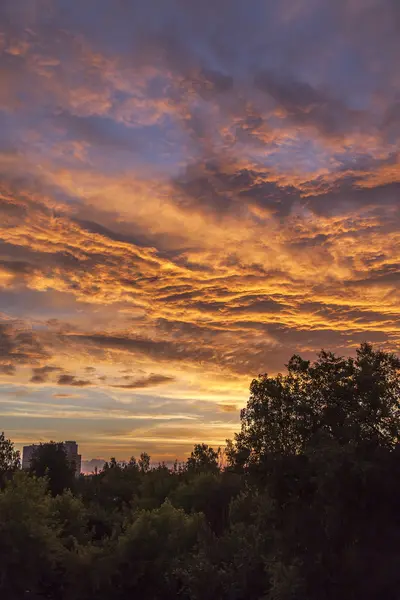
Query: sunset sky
191, 191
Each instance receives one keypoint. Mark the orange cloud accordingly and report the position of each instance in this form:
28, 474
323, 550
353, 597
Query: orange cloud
182, 218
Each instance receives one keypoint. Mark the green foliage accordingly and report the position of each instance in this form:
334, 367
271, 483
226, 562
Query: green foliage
114, 487
306, 510
9, 458
72, 518
151, 549
153, 489
29, 547
50, 461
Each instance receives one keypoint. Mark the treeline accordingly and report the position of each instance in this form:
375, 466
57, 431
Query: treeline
304, 506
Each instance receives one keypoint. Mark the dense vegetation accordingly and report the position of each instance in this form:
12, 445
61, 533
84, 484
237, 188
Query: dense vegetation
305, 507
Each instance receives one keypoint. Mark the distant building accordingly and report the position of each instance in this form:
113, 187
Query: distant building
71, 450
27, 454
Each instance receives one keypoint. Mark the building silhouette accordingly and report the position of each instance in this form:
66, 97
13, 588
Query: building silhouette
71, 451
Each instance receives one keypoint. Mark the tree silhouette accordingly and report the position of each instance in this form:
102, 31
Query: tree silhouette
50, 460
203, 458
353, 401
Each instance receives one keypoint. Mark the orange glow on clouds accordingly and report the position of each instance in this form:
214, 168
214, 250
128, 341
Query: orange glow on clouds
177, 217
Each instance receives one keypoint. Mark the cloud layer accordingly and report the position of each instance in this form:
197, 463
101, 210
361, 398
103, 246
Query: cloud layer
189, 193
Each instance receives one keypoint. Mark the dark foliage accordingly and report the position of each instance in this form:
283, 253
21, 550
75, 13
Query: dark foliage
50, 460
307, 508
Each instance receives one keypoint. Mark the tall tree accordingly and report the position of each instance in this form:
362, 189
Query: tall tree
349, 400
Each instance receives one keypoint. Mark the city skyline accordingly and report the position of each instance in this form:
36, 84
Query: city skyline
190, 192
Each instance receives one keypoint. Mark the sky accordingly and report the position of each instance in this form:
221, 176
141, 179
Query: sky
190, 193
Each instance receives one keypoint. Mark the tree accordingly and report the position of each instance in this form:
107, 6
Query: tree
114, 486
155, 486
232, 566
9, 457
353, 401
322, 441
203, 458
210, 494
144, 462
150, 550
50, 460
72, 518
313, 515
29, 547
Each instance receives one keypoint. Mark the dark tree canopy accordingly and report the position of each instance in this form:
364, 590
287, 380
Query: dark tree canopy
203, 458
349, 400
50, 460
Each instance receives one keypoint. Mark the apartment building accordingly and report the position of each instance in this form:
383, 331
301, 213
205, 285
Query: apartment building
71, 450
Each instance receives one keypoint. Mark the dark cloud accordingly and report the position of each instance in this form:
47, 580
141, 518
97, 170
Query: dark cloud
41, 374
144, 382
306, 105
128, 382
19, 345
210, 307
308, 341
141, 238
346, 196
12, 209
7, 369
67, 379
210, 187
6, 341
388, 276
261, 305
161, 349
211, 348
207, 83
17, 267
182, 297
